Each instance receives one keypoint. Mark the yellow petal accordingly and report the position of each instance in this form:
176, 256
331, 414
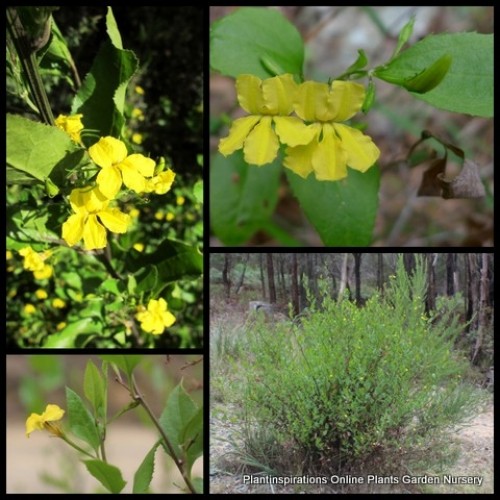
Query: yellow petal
163, 182
279, 94
52, 413
345, 100
85, 200
132, 177
261, 145
109, 181
249, 92
292, 131
237, 135
94, 235
311, 101
44, 273
72, 229
360, 149
108, 151
115, 220
329, 159
145, 166
34, 422
299, 159
168, 319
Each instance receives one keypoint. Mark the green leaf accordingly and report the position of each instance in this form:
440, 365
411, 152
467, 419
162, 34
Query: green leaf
404, 36
101, 98
67, 336
94, 390
343, 212
171, 261
81, 422
108, 475
467, 86
38, 149
178, 411
197, 482
255, 40
198, 191
112, 29
192, 438
242, 197
126, 362
144, 474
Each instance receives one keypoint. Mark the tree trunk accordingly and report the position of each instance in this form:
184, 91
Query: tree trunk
430, 299
242, 275
380, 273
270, 278
472, 291
226, 278
262, 280
295, 286
483, 308
343, 277
357, 276
409, 263
451, 274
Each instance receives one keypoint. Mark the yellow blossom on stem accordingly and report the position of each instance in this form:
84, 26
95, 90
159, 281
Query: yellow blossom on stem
92, 216
41, 294
170, 216
9, 255
333, 146
156, 318
34, 262
58, 303
29, 309
60, 326
161, 183
139, 247
46, 421
181, 200
137, 138
139, 90
72, 125
268, 101
116, 166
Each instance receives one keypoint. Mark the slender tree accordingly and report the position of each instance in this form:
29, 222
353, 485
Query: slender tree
270, 278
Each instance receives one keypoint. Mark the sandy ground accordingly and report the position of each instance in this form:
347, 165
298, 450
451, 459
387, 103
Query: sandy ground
476, 459
28, 460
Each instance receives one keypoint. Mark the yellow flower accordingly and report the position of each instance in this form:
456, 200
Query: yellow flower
34, 262
111, 155
159, 215
139, 90
181, 200
156, 318
44, 421
134, 213
333, 145
137, 138
137, 113
58, 303
41, 294
161, 183
267, 101
170, 216
92, 215
9, 255
29, 309
72, 125
139, 247
60, 326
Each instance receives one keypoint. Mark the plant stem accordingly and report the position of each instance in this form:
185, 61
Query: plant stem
136, 395
27, 56
76, 447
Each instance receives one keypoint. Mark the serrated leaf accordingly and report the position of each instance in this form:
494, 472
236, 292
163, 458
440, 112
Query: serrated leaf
255, 40
179, 410
38, 149
192, 438
81, 422
144, 474
468, 84
66, 338
242, 197
94, 390
343, 212
108, 475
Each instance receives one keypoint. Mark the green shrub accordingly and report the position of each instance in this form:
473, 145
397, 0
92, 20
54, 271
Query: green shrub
349, 381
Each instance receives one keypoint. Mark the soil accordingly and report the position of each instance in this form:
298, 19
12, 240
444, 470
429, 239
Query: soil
227, 474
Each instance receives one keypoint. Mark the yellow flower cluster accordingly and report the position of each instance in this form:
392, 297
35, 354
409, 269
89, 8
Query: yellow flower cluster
156, 318
316, 140
92, 213
35, 262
